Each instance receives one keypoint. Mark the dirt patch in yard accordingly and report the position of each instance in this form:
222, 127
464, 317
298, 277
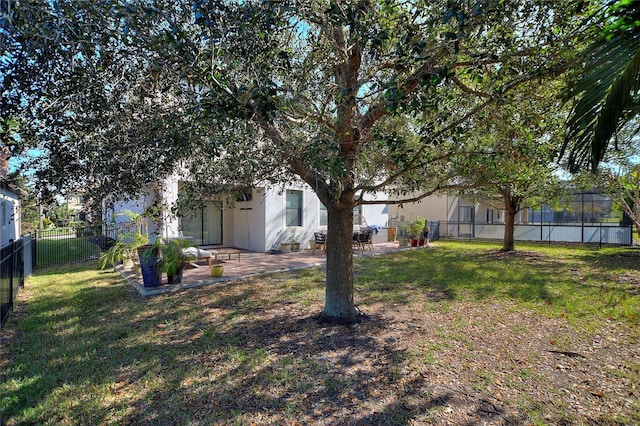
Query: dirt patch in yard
466, 363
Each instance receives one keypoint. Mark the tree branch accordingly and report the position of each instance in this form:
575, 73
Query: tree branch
466, 89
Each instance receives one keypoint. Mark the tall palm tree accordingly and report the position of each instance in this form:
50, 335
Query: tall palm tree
607, 92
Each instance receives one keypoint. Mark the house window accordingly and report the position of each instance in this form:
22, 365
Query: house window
245, 195
358, 217
466, 214
294, 208
489, 215
324, 217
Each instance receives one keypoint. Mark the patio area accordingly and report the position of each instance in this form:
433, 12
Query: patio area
250, 264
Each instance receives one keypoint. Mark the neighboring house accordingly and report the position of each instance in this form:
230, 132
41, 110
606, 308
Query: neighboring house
10, 212
75, 203
583, 217
449, 208
260, 221
579, 207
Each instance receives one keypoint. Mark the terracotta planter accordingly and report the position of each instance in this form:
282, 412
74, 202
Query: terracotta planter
414, 242
285, 247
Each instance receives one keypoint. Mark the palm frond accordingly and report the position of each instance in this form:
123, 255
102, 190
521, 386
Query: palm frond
605, 91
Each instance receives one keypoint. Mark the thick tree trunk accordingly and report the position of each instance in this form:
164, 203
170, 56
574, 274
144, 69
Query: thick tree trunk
512, 207
508, 243
339, 307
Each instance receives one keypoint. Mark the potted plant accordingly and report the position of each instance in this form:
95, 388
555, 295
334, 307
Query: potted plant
148, 254
415, 230
216, 269
150, 264
174, 259
124, 250
295, 243
113, 255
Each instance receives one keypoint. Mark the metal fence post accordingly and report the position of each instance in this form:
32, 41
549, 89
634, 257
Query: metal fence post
600, 235
34, 250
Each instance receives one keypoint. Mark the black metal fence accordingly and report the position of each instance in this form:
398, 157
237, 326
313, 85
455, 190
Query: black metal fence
16, 263
434, 228
591, 233
51, 247
61, 246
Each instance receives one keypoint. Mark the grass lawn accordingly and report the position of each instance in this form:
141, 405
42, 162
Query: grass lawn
59, 251
458, 333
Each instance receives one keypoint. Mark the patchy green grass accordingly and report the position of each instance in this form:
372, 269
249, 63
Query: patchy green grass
64, 250
457, 333
582, 283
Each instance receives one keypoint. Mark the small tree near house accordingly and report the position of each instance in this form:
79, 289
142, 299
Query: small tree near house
509, 163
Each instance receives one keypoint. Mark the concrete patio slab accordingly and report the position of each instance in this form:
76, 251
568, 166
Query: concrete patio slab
250, 264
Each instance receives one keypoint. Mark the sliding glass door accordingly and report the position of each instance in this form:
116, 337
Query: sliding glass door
205, 225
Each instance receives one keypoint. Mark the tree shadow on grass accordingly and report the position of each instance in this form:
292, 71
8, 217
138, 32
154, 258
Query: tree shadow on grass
203, 357
446, 275
608, 259
234, 353
316, 375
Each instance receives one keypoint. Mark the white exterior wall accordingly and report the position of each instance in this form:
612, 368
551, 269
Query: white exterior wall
376, 214
112, 215
244, 224
276, 229
256, 225
9, 216
135, 206
169, 195
433, 208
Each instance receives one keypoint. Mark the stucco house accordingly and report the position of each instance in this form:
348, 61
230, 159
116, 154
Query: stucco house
259, 221
75, 203
10, 212
577, 207
582, 217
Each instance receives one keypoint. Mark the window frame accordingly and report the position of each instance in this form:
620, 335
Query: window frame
490, 215
322, 208
298, 210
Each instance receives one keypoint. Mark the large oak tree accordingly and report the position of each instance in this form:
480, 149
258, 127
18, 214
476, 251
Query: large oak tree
352, 97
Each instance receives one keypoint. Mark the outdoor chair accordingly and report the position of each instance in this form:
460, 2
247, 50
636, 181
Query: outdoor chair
320, 241
197, 254
365, 238
356, 240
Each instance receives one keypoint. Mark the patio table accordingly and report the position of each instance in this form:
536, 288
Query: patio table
227, 251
